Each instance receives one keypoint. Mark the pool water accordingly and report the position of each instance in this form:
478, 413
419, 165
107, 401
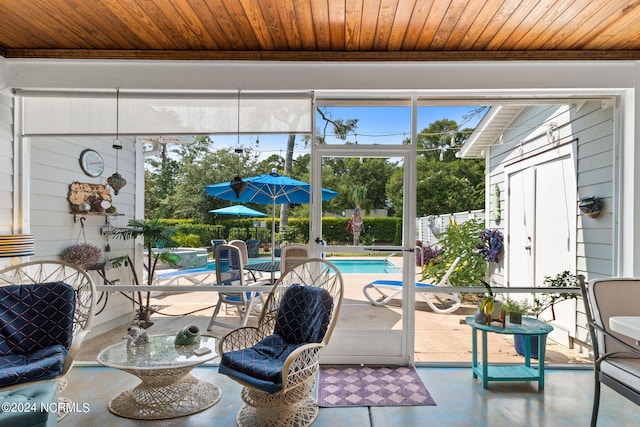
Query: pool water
346, 266
366, 266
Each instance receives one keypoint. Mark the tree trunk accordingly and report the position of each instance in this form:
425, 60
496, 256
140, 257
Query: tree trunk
288, 165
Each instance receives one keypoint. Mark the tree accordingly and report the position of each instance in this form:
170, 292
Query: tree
160, 181
446, 184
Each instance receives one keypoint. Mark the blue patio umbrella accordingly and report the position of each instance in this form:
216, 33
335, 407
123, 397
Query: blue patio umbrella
270, 188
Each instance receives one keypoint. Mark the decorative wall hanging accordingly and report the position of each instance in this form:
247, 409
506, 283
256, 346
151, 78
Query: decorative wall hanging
590, 206
84, 197
495, 203
490, 245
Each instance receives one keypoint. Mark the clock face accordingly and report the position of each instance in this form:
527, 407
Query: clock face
91, 163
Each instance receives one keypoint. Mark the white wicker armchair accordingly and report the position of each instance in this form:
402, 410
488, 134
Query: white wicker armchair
59, 271
284, 398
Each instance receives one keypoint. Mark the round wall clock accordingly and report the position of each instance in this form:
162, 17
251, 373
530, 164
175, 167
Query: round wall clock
91, 163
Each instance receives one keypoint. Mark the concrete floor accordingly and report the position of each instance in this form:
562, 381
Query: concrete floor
460, 401
440, 339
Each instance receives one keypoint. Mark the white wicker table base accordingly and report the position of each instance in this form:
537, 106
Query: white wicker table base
156, 399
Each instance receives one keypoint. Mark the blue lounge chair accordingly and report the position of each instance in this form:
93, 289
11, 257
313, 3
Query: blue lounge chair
389, 289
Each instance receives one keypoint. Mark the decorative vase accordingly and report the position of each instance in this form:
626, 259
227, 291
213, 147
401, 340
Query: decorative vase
480, 317
188, 335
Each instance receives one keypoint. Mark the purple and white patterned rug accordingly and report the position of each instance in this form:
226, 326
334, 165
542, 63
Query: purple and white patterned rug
371, 386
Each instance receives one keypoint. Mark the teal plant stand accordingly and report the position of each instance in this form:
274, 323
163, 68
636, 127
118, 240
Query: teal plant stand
530, 327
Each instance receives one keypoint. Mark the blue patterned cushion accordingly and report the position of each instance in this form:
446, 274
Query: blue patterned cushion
303, 317
40, 365
260, 365
36, 330
304, 314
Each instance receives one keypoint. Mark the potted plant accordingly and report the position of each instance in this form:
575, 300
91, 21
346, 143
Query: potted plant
490, 306
516, 309
547, 300
156, 235
83, 255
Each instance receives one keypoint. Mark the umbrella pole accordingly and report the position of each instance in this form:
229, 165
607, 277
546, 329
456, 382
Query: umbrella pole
273, 232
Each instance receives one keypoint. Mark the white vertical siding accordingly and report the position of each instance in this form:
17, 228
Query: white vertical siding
6, 163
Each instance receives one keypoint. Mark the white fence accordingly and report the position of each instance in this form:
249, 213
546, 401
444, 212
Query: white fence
429, 228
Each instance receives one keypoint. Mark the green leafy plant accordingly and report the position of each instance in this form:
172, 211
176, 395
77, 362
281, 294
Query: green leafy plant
459, 240
489, 300
545, 300
156, 234
187, 240
516, 306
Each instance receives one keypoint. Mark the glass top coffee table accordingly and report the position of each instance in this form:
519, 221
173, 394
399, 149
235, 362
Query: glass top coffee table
167, 388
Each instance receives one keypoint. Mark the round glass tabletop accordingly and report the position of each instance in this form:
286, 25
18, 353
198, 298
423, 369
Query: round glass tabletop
159, 352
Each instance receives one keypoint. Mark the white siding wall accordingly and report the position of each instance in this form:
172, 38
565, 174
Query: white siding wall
55, 165
595, 173
593, 127
6, 163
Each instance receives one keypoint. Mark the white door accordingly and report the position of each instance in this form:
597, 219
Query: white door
366, 333
520, 228
541, 230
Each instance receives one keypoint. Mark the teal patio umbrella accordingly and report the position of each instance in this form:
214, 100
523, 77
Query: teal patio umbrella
239, 210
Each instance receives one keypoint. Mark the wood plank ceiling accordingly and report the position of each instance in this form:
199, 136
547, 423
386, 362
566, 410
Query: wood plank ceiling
329, 30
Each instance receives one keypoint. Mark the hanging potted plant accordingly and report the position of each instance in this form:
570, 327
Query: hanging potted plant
83, 255
156, 235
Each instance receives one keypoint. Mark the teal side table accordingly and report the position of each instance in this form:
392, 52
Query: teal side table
529, 327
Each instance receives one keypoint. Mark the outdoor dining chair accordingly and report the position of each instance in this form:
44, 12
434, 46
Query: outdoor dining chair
230, 271
293, 254
277, 361
617, 357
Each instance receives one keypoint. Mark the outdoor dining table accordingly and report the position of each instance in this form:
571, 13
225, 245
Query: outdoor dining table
626, 325
264, 267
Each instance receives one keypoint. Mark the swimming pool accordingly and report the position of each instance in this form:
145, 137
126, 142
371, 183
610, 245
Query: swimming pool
366, 266
346, 266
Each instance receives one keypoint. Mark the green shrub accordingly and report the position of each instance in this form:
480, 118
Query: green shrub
187, 240
459, 240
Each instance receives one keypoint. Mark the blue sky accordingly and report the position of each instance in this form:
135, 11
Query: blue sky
376, 125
